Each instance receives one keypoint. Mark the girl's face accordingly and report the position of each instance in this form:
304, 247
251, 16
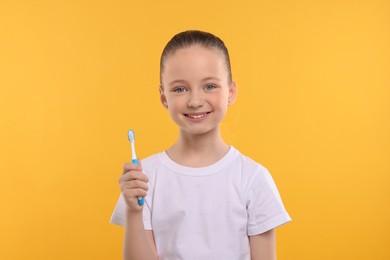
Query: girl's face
195, 89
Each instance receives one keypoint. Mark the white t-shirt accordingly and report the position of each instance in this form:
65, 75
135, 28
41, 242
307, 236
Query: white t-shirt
207, 212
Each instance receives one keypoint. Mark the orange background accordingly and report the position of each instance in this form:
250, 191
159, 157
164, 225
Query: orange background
313, 107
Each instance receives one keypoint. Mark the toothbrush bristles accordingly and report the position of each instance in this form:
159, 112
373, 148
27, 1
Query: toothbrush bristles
130, 135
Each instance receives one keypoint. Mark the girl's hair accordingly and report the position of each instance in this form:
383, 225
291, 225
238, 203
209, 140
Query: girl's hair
195, 37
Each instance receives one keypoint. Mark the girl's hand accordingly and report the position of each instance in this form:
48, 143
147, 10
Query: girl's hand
133, 185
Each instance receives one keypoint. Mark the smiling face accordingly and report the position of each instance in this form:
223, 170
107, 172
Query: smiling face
195, 88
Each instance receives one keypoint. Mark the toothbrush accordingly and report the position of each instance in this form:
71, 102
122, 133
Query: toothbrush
134, 159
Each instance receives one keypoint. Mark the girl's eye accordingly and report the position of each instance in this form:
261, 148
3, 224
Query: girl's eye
179, 90
209, 87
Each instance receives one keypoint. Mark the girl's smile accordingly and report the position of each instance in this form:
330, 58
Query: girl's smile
197, 117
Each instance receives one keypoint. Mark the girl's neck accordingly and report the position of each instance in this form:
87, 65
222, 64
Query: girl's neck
198, 150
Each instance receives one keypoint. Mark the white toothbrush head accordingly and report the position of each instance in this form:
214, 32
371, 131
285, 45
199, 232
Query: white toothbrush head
131, 136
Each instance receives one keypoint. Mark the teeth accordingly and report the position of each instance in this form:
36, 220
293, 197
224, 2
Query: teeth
196, 116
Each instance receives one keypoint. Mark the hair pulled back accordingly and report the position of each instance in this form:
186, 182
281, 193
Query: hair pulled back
195, 37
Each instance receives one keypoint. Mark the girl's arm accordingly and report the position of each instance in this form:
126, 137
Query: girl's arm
138, 243
263, 246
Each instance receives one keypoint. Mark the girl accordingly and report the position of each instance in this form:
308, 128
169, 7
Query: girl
203, 198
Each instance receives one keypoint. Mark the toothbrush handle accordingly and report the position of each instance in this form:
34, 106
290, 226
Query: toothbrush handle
140, 199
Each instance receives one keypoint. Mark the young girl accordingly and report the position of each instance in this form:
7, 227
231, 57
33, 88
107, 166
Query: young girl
203, 198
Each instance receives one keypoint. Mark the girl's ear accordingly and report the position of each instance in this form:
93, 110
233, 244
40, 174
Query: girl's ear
163, 98
232, 93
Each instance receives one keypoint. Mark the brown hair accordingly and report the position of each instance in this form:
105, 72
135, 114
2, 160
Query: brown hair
195, 37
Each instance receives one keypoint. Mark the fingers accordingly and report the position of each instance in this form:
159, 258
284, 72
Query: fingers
132, 194
134, 184
133, 175
132, 167
133, 181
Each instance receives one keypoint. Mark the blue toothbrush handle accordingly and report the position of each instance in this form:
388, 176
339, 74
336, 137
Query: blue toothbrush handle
140, 199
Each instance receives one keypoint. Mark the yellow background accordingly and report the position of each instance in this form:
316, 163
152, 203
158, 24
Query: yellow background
313, 107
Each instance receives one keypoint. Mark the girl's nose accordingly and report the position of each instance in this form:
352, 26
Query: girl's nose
195, 100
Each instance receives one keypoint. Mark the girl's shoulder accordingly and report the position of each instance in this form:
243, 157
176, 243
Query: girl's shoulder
253, 173
150, 162
250, 165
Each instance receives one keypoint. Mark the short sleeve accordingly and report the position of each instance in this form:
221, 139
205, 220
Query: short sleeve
265, 208
118, 217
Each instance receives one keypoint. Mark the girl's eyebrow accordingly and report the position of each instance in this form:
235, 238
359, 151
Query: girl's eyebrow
211, 78
182, 81
177, 81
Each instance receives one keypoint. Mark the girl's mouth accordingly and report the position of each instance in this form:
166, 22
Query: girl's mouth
197, 116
